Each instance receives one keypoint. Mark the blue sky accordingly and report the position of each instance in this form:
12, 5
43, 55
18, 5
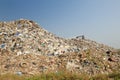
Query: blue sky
98, 20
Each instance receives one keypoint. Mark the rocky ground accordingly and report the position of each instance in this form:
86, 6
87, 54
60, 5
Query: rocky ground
27, 48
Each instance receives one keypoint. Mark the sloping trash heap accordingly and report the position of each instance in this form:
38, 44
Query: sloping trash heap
28, 49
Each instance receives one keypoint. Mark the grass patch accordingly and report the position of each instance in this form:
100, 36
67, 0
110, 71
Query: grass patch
11, 77
115, 76
62, 76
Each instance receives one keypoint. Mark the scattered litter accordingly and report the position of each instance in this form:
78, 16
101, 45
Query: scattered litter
2, 46
18, 73
26, 48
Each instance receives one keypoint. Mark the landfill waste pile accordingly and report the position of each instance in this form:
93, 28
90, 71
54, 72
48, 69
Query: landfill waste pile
28, 49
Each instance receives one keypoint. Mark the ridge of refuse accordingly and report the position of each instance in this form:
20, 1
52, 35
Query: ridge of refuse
27, 48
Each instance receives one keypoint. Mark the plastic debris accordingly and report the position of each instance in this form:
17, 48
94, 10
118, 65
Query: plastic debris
19, 73
26, 48
2, 46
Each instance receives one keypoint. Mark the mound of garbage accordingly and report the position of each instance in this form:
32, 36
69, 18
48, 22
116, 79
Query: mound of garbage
27, 48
